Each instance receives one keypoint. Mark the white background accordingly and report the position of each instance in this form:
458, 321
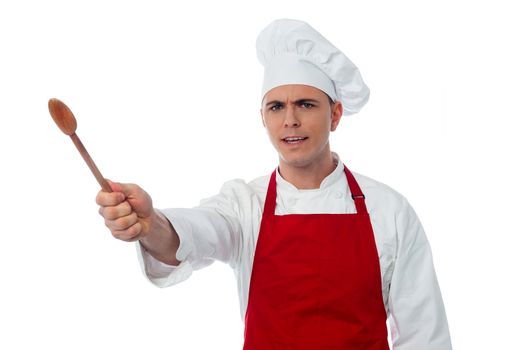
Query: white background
167, 95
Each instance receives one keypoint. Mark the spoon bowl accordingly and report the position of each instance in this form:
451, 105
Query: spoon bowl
62, 116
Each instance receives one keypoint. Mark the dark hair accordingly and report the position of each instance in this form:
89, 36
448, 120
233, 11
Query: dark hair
331, 102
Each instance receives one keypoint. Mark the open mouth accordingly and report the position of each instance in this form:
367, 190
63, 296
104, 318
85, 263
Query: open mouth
292, 140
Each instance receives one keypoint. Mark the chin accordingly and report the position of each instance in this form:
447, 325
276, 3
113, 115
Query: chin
301, 158
297, 161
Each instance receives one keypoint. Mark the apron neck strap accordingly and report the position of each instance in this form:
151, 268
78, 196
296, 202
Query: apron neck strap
270, 200
356, 192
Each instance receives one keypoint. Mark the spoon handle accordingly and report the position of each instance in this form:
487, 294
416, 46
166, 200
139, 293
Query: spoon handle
91, 164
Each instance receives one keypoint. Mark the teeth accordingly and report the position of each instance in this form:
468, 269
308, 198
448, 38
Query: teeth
292, 139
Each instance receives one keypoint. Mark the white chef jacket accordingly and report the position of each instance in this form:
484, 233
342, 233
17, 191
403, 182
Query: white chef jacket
225, 227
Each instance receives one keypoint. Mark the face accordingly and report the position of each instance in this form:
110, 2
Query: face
299, 119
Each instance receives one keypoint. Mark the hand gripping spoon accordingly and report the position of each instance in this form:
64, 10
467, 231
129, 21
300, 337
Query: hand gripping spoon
65, 120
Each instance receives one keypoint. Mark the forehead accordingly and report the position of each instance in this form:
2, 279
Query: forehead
294, 92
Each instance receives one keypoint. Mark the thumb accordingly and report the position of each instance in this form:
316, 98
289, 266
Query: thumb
127, 189
115, 186
135, 195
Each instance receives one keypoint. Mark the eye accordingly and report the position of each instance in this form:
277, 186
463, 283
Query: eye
276, 107
306, 105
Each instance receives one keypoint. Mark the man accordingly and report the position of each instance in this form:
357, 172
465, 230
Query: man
322, 256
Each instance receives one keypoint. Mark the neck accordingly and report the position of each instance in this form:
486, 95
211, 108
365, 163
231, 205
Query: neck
309, 176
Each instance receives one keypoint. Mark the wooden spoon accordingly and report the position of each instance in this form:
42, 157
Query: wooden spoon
65, 120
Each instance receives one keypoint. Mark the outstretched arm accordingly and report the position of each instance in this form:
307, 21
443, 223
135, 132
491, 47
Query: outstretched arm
129, 214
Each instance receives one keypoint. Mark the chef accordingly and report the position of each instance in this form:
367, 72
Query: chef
323, 256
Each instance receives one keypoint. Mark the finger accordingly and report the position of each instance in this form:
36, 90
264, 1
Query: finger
130, 234
106, 199
122, 223
114, 212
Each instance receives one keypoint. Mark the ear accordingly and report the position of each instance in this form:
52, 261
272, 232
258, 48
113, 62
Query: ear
336, 115
262, 118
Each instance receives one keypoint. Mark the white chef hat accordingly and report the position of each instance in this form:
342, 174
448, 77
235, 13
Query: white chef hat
292, 52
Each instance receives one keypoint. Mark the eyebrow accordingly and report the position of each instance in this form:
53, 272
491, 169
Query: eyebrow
302, 100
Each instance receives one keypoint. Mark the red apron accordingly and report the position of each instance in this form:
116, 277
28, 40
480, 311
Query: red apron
316, 281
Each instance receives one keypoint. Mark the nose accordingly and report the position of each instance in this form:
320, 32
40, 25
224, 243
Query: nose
291, 119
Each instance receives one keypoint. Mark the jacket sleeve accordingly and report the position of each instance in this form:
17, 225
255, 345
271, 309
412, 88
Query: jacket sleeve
209, 232
416, 312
